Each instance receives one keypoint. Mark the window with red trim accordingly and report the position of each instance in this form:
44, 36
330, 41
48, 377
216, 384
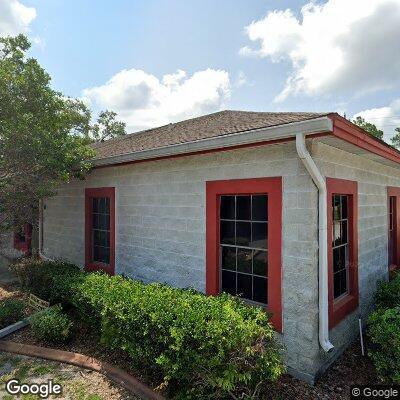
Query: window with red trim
342, 248
244, 244
23, 238
100, 229
393, 229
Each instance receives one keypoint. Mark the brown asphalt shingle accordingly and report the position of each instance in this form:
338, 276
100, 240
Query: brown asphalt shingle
204, 127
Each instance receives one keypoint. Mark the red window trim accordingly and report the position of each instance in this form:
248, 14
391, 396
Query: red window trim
393, 191
24, 245
338, 310
272, 187
89, 195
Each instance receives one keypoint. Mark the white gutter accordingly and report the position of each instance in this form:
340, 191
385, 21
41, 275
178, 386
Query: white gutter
285, 131
319, 181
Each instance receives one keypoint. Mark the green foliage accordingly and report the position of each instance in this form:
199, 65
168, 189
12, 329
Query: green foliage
396, 138
368, 127
388, 293
384, 332
198, 346
51, 325
11, 311
107, 127
51, 281
42, 135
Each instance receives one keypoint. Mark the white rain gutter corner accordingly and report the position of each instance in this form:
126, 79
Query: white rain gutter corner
319, 181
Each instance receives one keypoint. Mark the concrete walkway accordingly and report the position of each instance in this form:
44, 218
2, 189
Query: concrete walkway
6, 276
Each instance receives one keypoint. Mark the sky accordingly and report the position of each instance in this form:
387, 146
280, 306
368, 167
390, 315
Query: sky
161, 61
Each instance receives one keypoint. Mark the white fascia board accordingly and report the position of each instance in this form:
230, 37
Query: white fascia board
286, 131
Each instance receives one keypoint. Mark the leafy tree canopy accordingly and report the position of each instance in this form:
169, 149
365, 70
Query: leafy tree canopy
368, 127
42, 135
107, 127
396, 138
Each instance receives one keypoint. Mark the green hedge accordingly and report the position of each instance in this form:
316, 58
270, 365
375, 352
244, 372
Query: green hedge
52, 325
11, 311
388, 293
384, 331
198, 346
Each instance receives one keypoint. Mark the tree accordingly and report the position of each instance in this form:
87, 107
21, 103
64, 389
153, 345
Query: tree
107, 127
42, 135
368, 127
396, 138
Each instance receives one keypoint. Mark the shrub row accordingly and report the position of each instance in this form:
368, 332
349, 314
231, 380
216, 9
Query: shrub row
11, 311
384, 331
199, 346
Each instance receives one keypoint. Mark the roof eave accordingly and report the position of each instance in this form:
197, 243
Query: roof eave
256, 136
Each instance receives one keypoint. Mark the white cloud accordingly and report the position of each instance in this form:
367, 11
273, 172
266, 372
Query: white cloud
386, 118
143, 101
15, 17
341, 46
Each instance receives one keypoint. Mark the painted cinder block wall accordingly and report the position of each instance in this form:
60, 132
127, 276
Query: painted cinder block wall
160, 229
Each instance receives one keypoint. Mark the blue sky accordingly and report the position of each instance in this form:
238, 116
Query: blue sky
234, 54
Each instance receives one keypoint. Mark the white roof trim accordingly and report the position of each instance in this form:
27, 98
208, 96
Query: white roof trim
285, 131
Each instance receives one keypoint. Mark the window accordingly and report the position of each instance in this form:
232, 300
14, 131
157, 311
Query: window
340, 245
244, 244
393, 229
100, 230
23, 238
342, 249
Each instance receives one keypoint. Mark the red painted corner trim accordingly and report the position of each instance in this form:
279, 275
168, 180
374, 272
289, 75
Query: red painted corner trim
24, 245
272, 187
90, 194
340, 309
346, 130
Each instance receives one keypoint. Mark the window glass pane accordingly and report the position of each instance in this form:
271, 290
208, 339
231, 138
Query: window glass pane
260, 290
243, 207
95, 204
259, 237
343, 281
344, 232
243, 233
344, 207
244, 286
336, 207
337, 234
336, 259
95, 221
244, 258
104, 221
336, 285
106, 255
229, 282
260, 263
227, 207
229, 258
260, 208
227, 232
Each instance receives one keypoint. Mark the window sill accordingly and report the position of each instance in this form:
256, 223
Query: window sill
94, 267
341, 309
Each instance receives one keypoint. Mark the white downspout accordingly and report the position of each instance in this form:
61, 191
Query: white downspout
319, 181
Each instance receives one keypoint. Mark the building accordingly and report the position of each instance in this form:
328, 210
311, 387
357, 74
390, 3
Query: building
296, 212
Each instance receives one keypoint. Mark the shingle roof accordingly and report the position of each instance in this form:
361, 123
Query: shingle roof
204, 127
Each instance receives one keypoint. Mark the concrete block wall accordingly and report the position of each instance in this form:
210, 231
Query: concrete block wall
373, 179
160, 228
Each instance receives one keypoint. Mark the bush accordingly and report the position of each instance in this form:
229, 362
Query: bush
198, 346
384, 332
388, 293
51, 325
11, 311
51, 281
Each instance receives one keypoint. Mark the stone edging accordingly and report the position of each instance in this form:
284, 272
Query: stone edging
115, 374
